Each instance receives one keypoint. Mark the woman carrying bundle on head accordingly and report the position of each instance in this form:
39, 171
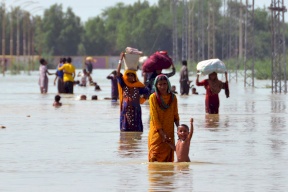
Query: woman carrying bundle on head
212, 85
131, 91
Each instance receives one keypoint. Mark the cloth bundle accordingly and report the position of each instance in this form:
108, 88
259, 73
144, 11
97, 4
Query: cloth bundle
157, 61
211, 65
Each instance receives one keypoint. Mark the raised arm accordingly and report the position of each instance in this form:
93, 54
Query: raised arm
172, 73
197, 78
191, 129
119, 63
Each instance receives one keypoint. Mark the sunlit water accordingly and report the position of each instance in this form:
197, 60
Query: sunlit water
78, 147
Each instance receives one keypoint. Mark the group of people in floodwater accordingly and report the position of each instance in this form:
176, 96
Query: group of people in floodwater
162, 102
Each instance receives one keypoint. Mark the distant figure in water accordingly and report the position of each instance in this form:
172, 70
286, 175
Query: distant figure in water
213, 86
194, 92
43, 78
84, 76
173, 89
97, 87
94, 97
57, 101
183, 145
83, 97
114, 87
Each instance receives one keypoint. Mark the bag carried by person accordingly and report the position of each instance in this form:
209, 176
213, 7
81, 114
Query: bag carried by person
157, 61
211, 65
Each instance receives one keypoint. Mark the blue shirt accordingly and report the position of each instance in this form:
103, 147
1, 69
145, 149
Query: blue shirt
58, 72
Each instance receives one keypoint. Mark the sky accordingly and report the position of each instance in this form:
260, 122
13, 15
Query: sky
86, 9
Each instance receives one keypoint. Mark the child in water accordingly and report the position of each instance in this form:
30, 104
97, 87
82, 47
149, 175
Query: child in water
57, 101
183, 144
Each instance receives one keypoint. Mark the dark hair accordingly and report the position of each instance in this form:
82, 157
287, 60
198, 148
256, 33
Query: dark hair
94, 97
42, 61
114, 72
64, 60
61, 60
69, 60
184, 62
97, 87
57, 98
183, 125
162, 77
83, 97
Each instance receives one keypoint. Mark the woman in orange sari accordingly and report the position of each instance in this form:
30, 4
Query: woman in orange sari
163, 113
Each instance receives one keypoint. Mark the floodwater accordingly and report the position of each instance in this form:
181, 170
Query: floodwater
78, 147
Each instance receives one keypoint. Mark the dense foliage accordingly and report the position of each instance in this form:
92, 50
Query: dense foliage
141, 25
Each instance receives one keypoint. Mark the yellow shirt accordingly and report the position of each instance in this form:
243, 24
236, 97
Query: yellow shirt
69, 72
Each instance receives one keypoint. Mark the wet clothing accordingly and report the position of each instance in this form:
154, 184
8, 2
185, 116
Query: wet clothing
162, 119
60, 85
60, 82
43, 78
130, 109
58, 72
212, 102
68, 78
114, 88
89, 67
184, 81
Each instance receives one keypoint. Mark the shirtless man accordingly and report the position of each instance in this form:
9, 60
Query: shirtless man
183, 144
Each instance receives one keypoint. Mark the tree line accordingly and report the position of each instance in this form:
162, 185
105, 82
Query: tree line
141, 25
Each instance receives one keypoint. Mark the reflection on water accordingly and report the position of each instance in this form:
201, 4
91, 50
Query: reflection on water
129, 144
161, 176
211, 120
78, 147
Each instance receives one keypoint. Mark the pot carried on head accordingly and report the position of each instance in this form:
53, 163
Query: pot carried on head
131, 59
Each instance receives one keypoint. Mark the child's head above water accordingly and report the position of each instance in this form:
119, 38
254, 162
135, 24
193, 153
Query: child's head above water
182, 131
57, 98
83, 97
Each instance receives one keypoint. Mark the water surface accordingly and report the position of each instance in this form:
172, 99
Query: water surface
78, 147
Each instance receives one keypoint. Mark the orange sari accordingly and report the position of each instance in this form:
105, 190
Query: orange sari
161, 119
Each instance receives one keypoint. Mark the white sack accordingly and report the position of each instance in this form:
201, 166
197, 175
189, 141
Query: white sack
211, 65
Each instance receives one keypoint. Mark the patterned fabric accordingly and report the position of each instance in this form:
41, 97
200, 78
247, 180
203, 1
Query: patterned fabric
130, 109
161, 119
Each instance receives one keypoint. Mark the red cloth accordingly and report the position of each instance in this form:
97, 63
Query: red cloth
211, 100
157, 61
